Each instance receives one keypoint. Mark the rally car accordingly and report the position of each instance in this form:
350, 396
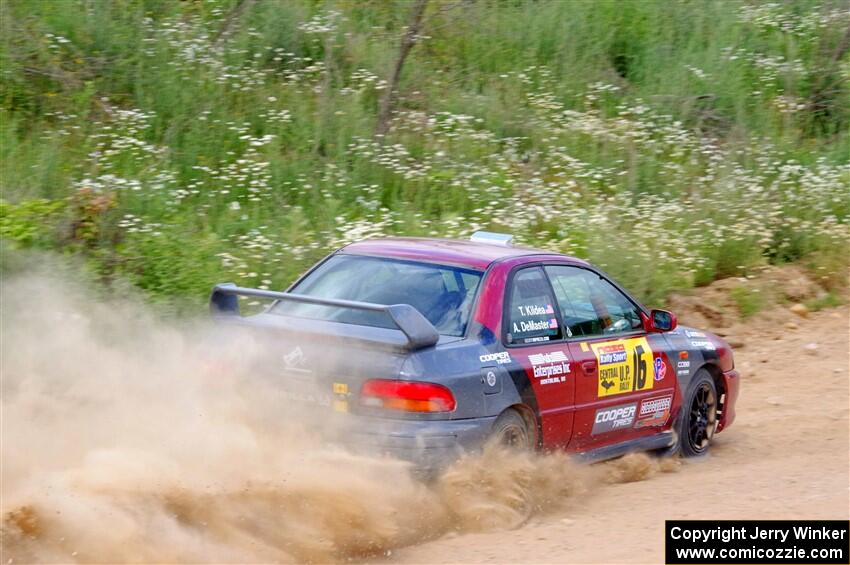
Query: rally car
428, 348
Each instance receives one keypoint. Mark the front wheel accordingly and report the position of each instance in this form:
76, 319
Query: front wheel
698, 419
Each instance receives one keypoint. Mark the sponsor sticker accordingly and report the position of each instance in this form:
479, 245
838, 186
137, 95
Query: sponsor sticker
536, 310
652, 406
294, 358
306, 397
533, 326
654, 411
613, 418
703, 343
500, 357
536, 339
295, 363
552, 367
553, 357
660, 369
691, 333
683, 368
340, 402
624, 366
609, 354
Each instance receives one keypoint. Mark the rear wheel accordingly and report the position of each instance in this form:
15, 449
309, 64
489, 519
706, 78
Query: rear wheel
511, 430
512, 503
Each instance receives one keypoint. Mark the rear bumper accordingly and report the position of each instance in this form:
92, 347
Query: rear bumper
429, 444
732, 385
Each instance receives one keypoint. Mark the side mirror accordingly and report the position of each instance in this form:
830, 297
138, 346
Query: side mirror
661, 321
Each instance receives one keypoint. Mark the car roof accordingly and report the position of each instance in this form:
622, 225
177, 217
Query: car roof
465, 253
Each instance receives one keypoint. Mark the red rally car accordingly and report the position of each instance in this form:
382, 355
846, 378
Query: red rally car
429, 348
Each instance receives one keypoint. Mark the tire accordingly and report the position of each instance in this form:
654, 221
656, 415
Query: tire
511, 430
698, 416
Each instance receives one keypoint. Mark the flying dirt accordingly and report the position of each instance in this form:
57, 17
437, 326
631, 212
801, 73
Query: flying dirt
130, 439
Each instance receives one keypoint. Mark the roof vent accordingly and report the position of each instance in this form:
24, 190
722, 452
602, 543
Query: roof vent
493, 238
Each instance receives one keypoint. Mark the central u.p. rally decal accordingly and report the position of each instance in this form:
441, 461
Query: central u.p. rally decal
625, 365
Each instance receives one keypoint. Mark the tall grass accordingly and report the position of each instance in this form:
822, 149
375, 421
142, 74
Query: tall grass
672, 143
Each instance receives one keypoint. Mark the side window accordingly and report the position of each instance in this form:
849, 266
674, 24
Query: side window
531, 316
590, 305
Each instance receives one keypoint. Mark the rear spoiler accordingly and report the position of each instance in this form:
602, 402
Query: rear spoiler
416, 328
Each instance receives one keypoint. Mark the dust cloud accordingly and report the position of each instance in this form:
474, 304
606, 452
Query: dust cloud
129, 439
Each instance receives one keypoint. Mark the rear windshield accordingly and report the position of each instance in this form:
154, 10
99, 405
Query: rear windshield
443, 294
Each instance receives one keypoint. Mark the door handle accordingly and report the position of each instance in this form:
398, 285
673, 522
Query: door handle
589, 367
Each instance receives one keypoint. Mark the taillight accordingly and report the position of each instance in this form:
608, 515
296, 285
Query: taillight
406, 395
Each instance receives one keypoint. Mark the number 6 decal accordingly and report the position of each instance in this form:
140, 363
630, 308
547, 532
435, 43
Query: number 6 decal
640, 368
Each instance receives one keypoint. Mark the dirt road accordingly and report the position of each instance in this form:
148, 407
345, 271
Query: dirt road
120, 449
786, 456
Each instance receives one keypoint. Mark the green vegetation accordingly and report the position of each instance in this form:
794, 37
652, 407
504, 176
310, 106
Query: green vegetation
828, 300
749, 300
179, 144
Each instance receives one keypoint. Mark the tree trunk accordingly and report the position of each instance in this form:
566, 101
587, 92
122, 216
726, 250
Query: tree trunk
231, 21
390, 98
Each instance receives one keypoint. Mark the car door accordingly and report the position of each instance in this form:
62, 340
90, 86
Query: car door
624, 379
532, 334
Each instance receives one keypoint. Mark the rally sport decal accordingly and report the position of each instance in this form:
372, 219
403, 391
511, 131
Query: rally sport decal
625, 365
